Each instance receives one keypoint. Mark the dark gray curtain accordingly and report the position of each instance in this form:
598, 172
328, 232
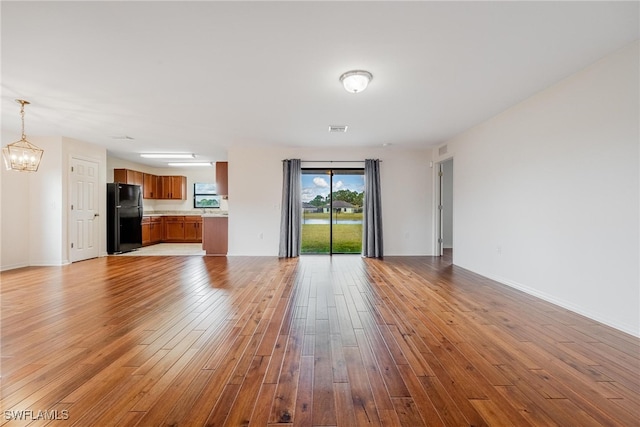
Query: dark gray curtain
290, 221
372, 213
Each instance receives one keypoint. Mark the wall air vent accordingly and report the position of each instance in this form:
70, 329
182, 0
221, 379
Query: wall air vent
442, 150
123, 137
338, 128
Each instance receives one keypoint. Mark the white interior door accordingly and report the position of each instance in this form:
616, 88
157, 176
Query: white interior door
84, 222
444, 211
439, 216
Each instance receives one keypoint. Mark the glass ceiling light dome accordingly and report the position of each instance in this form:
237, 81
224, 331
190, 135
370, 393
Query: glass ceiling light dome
356, 81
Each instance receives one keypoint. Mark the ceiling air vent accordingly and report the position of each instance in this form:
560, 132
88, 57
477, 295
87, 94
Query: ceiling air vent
338, 128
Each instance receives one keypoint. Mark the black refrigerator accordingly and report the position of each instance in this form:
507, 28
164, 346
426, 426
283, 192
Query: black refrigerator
124, 217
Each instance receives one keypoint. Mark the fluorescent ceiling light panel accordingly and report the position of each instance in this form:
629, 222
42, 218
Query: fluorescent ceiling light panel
190, 164
168, 155
338, 128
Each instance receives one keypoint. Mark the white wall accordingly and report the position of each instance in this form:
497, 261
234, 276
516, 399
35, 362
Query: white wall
35, 205
46, 205
14, 232
193, 174
547, 194
255, 194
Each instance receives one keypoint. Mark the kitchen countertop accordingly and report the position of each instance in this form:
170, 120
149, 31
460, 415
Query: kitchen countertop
196, 212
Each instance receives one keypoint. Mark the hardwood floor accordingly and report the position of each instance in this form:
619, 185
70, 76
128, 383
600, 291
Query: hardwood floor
314, 341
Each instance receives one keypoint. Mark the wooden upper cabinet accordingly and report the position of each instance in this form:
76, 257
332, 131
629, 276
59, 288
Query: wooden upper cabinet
150, 186
173, 187
128, 176
222, 178
154, 186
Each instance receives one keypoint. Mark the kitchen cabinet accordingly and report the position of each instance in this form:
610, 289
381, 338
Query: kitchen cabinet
173, 187
193, 229
156, 230
222, 178
215, 235
151, 230
150, 188
173, 229
146, 231
128, 176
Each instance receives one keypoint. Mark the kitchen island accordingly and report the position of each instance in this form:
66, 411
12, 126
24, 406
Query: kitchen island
215, 234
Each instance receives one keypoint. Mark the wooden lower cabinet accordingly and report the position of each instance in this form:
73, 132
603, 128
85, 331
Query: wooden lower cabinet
215, 239
156, 230
193, 229
173, 229
152, 230
146, 231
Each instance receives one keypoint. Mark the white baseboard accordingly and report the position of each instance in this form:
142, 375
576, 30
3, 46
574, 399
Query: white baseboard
598, 317
13, 266
48, 263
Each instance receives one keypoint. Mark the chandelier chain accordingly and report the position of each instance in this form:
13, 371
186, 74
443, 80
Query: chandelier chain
22, 117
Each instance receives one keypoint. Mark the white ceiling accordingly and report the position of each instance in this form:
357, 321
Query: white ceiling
205, 76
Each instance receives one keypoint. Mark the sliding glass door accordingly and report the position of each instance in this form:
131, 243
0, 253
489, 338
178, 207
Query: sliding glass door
332, 211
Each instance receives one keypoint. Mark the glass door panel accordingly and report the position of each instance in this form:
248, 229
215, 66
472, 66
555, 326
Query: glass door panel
316, 216
346, 213
332, 211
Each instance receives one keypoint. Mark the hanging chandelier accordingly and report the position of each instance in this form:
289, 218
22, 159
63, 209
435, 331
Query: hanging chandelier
22, 155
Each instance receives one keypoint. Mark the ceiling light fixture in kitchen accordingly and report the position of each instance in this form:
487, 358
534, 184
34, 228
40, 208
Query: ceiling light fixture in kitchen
22, 155
190, 164
168, 155
356, 81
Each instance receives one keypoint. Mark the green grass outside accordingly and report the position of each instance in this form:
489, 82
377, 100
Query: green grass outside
341, 215
347, 238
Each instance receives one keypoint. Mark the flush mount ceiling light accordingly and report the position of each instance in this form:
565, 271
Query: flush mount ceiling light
190, 164
168, 155
356, 81
22, 155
